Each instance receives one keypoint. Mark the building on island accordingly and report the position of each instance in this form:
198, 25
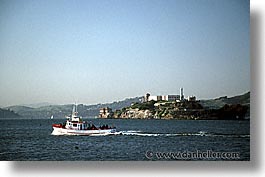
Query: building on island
177, 98
161, 97
105, 112
146, 97
181, 94
149, 97
155, 98
171, 97
192, 98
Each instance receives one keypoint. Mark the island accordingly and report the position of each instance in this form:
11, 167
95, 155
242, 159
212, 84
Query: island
177, 107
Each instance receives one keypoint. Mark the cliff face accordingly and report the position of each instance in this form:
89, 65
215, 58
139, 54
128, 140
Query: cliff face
134, 113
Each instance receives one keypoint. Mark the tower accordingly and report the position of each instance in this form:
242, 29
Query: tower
181, 94
146, 98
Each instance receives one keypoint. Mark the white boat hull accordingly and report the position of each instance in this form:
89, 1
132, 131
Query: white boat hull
64, 131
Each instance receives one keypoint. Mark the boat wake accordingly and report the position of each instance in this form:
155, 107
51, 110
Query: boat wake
200, 133
151, 134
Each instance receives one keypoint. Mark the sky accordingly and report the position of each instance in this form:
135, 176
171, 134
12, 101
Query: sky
98, 51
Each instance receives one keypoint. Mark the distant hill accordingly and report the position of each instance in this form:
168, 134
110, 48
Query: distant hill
6, 113
37, 105
241, 99
60, 111
217, 103
20, 109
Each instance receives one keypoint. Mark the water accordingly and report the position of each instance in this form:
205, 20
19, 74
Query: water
31, 139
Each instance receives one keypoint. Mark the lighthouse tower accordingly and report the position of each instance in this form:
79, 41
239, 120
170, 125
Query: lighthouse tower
181, 94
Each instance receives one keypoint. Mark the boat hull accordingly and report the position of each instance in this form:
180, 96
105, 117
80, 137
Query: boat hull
64, 131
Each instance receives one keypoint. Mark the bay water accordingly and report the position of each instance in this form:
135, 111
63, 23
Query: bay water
31, 140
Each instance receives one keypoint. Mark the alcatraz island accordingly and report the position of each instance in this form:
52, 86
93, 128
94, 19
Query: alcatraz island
177, 107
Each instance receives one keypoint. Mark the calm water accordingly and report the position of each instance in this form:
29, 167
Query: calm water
29, 139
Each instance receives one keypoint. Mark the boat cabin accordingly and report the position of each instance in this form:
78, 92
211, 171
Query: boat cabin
76, 125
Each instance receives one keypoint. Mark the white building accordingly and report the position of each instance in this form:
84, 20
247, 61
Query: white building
162, 97
191, 98
178, 98
155, 98
170, 97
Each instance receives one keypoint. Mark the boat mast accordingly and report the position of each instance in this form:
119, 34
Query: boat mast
75, 109
73, 113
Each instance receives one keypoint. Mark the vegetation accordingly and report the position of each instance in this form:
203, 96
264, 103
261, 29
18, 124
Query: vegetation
143, 106
232, 111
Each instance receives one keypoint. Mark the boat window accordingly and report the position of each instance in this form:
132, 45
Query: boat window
74, 125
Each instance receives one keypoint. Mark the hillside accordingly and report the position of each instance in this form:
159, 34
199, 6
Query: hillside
60, 111
217, 103
37, 105
6, 113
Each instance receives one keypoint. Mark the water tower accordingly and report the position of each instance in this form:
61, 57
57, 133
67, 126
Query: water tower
146, 98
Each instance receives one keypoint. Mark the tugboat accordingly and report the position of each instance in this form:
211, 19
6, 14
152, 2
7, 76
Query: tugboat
74, 125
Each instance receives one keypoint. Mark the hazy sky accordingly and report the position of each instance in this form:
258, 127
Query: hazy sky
102, 51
